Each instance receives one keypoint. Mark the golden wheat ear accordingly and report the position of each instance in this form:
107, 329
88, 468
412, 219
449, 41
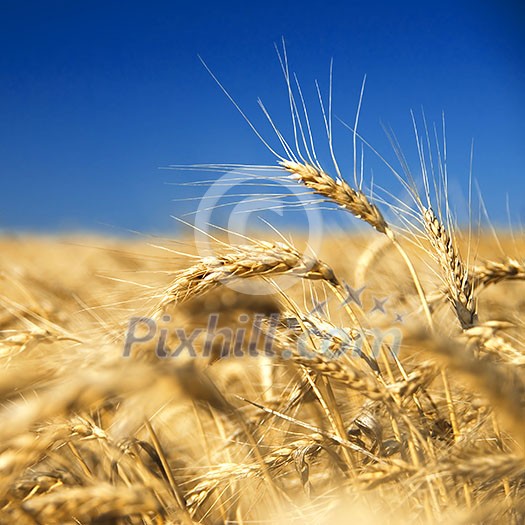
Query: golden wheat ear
459, 288
355, 201
262, 259
358, 204
493, 272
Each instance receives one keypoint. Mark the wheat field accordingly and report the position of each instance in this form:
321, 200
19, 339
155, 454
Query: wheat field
378, 379
420, 426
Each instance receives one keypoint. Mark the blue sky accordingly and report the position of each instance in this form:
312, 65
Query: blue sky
95, 97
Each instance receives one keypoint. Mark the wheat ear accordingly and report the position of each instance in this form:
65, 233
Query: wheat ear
308, 447
357, 203
340, 192
92, 503
459, 288
263, 259
493, 272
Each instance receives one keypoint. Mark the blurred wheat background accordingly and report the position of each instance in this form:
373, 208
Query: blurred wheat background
434, 431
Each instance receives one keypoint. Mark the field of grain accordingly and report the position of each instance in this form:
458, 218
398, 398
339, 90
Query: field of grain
382, 382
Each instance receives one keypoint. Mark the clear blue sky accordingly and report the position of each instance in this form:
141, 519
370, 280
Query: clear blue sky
96, 96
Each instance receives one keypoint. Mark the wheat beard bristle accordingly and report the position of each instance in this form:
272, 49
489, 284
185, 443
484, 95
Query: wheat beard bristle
339, 192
